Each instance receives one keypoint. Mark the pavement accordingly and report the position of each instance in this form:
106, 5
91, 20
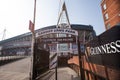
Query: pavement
64, 73
18, 70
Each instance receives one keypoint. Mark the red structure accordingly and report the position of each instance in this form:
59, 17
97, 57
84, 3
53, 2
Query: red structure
100, 61
111, 12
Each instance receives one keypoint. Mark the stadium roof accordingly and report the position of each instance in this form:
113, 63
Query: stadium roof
73, 26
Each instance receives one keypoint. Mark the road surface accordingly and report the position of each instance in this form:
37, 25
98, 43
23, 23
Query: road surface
64, 73
18, 70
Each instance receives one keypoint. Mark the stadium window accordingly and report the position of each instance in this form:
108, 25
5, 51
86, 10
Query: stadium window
106, 16
104, 6
119, 15
108, 26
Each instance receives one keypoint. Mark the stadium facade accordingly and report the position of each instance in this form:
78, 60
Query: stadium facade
21, 44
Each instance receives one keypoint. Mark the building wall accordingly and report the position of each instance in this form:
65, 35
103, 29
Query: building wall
113, 11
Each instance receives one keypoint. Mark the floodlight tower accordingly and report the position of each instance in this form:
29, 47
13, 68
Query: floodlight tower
63, 22
63, 19
4, 34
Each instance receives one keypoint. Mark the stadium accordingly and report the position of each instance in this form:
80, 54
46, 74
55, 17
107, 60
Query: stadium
21, 44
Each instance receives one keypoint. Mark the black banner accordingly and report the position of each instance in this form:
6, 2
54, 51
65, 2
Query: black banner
105, 48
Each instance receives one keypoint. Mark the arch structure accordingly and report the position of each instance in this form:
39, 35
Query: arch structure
57, 31
50, 34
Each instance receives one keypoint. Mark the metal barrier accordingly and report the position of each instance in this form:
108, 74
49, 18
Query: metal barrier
8, 59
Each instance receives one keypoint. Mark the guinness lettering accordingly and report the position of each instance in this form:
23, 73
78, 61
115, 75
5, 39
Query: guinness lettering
113, 47
104, 49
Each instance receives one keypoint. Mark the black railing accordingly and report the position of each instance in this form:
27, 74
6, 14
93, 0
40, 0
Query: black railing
8, 59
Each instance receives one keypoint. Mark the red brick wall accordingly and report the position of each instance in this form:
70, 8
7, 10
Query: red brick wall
113, 10
106, 72
74, 60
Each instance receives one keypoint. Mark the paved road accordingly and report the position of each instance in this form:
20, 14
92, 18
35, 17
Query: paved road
18, 70
67, 74
64, 73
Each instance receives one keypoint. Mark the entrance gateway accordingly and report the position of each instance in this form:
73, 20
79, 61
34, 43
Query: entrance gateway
71, 37
56, 41
63, 33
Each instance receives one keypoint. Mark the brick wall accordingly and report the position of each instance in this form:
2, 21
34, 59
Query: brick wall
98, 70
113, 10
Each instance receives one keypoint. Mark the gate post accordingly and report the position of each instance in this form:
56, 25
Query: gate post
80, 60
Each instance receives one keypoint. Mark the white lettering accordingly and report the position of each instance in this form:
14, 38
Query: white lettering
118, 45
92, 51
113, 50
112, 47
108, 48
104, 48
99, 50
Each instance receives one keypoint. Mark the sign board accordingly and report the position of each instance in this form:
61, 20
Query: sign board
58, 31
58, 40
105, 48
63, 47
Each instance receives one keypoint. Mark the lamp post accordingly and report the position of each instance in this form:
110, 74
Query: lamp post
32, 76
80, 60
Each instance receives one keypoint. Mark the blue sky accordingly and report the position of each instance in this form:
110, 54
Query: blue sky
15, 14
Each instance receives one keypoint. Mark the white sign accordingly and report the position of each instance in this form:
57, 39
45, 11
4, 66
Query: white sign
112, 47
63, 47
57, 30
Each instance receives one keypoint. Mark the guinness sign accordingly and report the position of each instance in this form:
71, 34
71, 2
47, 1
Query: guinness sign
112, 47
105, 48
